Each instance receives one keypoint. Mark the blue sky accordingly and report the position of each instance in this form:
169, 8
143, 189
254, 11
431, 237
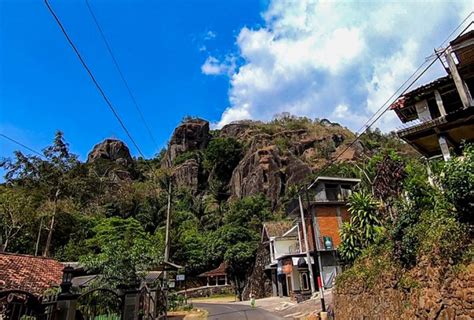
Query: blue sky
158, 44
220, 60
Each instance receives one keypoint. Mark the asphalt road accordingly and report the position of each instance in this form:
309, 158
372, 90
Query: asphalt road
221, 311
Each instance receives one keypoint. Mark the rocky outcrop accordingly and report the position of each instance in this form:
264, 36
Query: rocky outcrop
432, 292
236, 129
186, 175
190, 135
112, 150
264, 170
259, 283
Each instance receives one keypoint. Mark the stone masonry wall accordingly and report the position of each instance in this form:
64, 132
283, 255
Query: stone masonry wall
437, 293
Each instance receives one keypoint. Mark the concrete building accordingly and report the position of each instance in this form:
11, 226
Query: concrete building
287, 263
439, 116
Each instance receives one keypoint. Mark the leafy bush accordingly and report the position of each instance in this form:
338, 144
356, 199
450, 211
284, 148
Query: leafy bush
183, 157
364, 228
457, 179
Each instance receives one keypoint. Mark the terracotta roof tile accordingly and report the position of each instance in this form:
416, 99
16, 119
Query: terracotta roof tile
219, 271
29, 273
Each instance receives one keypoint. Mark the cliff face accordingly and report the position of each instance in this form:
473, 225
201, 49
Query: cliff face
276, 155
188, 136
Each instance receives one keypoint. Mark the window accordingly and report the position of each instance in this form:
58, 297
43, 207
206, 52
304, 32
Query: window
331, 191
346, 191
304, 281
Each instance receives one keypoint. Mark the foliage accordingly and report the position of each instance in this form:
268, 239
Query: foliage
17, 210
390, 173
370, 267
364, 228
185, 156
250, 211
457, 179
56, 174
122, 252
282, 143
221, 157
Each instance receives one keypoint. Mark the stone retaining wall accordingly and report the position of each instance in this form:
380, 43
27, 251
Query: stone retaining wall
437, 293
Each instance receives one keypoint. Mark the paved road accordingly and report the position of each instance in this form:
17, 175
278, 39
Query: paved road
221, 311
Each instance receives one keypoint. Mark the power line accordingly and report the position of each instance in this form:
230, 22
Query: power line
368, 126
22, 145
109, 49
91, 75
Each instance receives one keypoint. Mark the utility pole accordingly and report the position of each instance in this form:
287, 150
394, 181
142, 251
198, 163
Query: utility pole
308, 256
167, 234
320, 265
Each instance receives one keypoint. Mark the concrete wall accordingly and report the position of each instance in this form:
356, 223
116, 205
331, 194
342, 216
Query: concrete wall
282, 246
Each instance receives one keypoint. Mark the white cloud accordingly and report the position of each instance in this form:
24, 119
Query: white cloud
332, 59
210, 35
212, 66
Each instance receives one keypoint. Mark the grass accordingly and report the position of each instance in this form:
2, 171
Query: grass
195, 314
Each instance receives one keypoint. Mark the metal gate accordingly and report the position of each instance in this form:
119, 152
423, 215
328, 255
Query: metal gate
19, 304
99, 304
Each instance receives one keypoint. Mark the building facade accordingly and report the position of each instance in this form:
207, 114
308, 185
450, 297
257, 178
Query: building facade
288, 265
439, 116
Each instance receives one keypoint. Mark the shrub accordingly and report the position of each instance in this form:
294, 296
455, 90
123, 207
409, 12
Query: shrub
183, 157
457, 179
364, 228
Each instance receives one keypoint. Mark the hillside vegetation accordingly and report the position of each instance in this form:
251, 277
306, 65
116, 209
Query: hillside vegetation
409, 248
109, 212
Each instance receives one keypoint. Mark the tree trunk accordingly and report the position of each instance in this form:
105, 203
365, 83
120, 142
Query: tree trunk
51, 226
39, 237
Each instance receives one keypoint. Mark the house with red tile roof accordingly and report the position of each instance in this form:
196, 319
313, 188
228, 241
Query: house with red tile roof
217, 276
29, 273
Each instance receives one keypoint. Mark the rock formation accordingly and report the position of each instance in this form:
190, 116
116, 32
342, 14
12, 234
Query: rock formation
113, 150
187, 175
265, 170
190, 135
275, 157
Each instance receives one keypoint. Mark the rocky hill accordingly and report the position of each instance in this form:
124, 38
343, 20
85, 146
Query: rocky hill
274, 156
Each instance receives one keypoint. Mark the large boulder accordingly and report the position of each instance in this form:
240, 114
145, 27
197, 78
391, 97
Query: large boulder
264, 170
190, 135
112, 150
186, 175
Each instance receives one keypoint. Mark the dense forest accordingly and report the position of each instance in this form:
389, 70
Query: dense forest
109, 212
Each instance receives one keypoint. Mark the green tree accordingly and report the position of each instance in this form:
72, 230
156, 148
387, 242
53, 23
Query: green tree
17, 210
53, 174
221, 157
122, 251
